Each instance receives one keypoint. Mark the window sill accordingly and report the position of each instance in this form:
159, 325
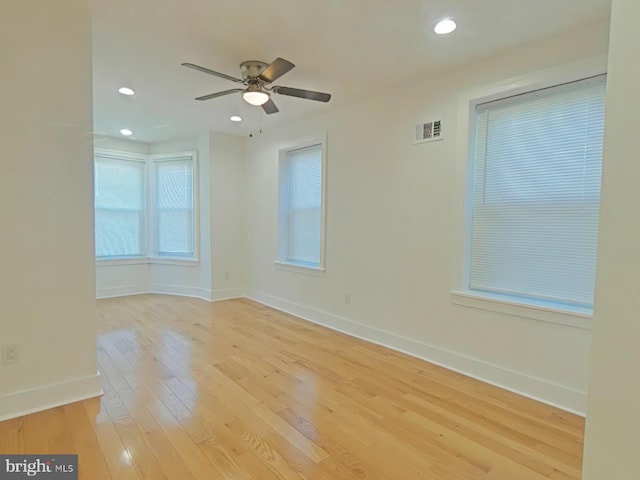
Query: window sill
570, 316
299, 268
184, 262
114, 262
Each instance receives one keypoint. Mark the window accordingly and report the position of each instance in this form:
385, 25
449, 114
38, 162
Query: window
120, 206
173, 207
536, 195
301, 194
124, 185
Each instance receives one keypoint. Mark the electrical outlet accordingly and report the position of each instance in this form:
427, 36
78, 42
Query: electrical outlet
10, 354
347, 299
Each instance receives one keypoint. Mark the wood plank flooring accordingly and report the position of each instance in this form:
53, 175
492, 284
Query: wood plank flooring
234, 390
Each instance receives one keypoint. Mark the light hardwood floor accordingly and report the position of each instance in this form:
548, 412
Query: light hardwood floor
234, 390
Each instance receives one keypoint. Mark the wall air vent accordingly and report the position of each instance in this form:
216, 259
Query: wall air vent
428, 132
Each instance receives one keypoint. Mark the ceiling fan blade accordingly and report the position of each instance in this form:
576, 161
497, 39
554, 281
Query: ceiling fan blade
270, 107
308, 94
211, 72
278, 67
219, 94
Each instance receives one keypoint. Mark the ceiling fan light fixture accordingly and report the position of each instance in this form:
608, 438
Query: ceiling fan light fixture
254, 95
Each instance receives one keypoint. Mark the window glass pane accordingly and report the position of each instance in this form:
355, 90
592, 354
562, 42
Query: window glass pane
118, 233
304, 236
175, 227
174, 184
544, 149
538, 162
305, 204
305, 171
119, 204
174, 207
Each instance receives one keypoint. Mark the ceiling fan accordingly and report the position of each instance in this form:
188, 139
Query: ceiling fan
257, 78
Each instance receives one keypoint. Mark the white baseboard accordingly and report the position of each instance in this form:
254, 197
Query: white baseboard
120, 291
196, 292
181, 290
536, 388
49, 396
227, 294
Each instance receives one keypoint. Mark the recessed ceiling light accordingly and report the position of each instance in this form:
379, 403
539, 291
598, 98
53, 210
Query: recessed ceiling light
126, 91
445, 26
126, 132
235, 118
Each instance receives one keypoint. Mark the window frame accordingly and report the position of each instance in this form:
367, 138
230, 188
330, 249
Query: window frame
460, 294
149, 239
282, 261
152, 220
119, 156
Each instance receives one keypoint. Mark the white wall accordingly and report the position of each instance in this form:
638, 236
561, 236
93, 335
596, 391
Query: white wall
47, 301
394, 231
121, 144
613, 420
228, 210
122, 278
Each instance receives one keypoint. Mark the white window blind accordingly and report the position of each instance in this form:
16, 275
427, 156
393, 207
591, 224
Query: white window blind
536, 193
174, 213
305, 204
119, 207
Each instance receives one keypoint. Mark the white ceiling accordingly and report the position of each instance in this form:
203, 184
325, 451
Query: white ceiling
348, 48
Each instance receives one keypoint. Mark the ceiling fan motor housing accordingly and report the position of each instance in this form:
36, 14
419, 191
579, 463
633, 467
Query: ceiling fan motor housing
252, 69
